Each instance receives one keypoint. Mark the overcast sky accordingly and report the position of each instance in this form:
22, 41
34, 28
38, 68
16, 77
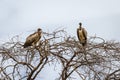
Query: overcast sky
22, 17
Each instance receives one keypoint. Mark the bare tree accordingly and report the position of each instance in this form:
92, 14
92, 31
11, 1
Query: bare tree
99, 60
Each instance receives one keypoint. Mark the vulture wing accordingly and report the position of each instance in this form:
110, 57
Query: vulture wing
84, 33
78, 35
32, 39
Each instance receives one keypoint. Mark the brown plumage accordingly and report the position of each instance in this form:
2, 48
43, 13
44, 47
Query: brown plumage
32, 39
82, 35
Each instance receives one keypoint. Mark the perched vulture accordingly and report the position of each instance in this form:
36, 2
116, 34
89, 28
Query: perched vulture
32, 39
82, 35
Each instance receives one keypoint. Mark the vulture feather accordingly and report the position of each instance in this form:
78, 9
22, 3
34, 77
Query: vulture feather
82, 35
32, 39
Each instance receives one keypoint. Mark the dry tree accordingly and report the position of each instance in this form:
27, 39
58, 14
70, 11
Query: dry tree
99, 60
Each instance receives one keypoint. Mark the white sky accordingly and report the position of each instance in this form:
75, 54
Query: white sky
22, 17
100, 17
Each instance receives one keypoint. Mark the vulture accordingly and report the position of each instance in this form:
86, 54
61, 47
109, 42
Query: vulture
82, 35
32, 39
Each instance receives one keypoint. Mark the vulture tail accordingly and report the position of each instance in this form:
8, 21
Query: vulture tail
26, 45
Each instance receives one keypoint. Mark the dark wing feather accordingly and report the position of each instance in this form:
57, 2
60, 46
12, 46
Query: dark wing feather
85, 36
27, 43
84, 33
78, 34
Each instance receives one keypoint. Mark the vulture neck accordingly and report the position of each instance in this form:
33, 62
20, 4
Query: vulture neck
39, 32
80, 28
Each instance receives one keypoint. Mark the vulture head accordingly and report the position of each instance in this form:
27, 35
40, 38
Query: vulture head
80, 24
39, 30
